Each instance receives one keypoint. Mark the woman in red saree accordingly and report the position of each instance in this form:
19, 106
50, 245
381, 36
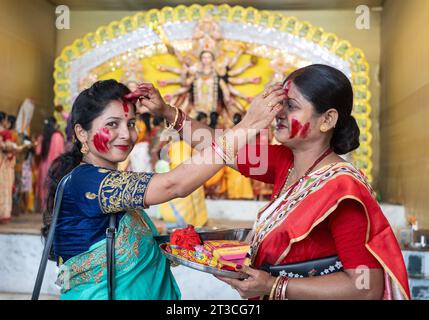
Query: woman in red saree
321, 205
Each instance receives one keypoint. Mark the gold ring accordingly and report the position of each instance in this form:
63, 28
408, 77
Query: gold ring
265, 94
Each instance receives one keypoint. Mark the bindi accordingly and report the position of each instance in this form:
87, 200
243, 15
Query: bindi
126, 108
101, 140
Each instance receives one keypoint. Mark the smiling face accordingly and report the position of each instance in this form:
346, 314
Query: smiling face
112, 135
298, 121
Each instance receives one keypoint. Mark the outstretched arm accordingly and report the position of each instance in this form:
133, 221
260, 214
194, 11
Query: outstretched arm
166, 82
237, 93
191, 174
199, 135
236, 72
233, 61
254, 80
165, 68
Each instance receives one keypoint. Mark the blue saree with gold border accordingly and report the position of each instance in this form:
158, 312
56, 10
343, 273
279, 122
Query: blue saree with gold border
141, 270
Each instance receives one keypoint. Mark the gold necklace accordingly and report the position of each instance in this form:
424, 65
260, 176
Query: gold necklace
300, 180
285, 186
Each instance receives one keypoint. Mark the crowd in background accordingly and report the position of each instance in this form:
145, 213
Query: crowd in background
24, 161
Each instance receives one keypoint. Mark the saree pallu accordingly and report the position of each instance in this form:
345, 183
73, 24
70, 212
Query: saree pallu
311, 203
141, 270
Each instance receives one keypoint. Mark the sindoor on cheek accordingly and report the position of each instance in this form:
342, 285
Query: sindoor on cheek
298, 129
101, 140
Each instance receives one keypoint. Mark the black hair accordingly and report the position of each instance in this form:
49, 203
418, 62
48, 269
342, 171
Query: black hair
157, 120
200, 116
326, 87
48, 130
214, 116
88, 106
236, 118
12, 120
2, 116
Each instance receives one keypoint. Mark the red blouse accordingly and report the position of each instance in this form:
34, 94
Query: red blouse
343, 233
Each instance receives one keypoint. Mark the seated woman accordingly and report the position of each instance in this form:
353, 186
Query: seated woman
321, 205
103, 119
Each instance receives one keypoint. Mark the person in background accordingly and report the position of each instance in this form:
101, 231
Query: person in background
50, 146
237, 185
7, 165
2, 120
17, 139
26, 189
180, 212
139, 158
8, 151
155, 142
215, 187
202, 117
5, 127
10, 125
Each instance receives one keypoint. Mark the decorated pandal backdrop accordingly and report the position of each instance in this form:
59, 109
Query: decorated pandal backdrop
212, 58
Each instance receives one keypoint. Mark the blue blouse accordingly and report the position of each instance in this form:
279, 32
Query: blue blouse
90, 194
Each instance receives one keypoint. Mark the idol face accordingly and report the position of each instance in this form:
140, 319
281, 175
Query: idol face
206, 58
113, 134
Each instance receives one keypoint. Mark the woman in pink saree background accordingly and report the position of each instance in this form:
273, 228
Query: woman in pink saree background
50, 145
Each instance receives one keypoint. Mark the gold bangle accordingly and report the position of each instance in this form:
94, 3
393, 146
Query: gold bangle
273, 288
172, 125
227, 149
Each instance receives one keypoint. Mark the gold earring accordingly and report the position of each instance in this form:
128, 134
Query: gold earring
323, 128
84, 149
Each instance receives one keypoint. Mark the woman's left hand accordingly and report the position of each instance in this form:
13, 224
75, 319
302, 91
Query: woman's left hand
259, 283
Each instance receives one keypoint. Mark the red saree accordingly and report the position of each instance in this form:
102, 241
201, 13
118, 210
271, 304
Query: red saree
311, 204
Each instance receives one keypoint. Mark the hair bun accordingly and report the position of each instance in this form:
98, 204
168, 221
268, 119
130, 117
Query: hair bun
346, 137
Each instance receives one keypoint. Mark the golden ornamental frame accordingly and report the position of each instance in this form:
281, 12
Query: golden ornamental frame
362, 157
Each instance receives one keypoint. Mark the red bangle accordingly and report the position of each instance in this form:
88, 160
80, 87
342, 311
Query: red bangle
218, 150
181, 122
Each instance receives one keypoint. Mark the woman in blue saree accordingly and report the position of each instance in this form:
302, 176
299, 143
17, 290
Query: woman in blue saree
103, 119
